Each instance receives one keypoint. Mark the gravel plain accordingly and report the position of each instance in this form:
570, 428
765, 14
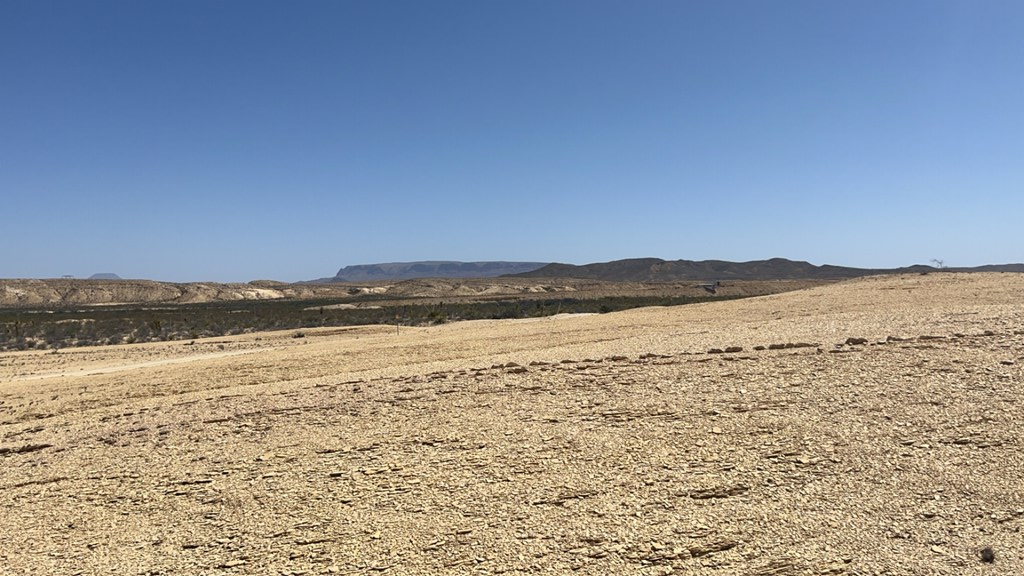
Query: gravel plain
865, 427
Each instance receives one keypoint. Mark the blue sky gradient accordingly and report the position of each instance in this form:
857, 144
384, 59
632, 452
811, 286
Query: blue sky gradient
237, 140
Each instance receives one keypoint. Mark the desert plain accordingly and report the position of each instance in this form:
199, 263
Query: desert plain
865, 427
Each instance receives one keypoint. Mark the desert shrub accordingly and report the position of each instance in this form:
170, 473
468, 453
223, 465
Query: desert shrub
95, 326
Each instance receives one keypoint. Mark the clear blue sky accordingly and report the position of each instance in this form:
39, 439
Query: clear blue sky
237, 140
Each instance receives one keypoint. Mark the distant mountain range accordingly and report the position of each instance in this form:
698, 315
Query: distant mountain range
104, 276
632, 270
658, 270
430, 269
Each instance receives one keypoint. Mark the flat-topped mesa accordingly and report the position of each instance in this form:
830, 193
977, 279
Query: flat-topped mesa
432, 269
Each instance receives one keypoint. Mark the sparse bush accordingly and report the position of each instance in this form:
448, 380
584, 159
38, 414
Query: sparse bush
111, 325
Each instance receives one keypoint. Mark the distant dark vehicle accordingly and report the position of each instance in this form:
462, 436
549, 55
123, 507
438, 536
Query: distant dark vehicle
711, 288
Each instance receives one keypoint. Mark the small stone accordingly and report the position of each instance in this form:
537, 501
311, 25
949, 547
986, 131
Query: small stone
988, 555
716, 430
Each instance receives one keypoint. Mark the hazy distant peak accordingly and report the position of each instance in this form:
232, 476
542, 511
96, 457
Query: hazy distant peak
104, 276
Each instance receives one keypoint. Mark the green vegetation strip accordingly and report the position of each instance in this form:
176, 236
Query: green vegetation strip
24, 329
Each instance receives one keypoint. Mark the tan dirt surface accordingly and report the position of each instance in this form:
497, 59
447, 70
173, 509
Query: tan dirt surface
878, 432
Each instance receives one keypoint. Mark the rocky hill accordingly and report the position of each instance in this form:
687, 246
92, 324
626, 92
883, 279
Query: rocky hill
65, 293
658, 270
71, 292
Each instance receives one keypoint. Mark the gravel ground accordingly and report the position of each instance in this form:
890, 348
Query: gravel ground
877, 432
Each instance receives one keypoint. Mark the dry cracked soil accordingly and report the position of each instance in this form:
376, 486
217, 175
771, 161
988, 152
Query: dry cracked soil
866, 427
